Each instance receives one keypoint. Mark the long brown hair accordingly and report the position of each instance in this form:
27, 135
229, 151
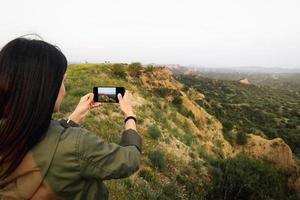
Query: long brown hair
31, 73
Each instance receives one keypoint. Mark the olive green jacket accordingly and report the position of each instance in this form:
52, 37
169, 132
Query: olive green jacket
72, 163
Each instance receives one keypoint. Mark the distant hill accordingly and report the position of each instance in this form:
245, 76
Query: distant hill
250, 108
278, 78
191, 148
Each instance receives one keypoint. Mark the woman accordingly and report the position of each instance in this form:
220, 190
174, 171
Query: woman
41, 158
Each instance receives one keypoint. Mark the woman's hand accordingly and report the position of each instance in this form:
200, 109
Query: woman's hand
125, 103
85, 104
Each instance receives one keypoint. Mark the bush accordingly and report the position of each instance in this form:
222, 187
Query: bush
202, 151
149, 68
140, 190
157, 159
147, 174
244, 178
227, 126
163, 92
192, 183
154, 132
189, 114
229, 137
241, 138
177, 101
188, 139
171, 190
118, 70
134, 69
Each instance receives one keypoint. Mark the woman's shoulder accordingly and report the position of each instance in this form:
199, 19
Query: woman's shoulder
66, 130
59, 136
69, 135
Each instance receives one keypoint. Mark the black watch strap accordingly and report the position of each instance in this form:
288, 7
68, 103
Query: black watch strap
130, 117
68, 123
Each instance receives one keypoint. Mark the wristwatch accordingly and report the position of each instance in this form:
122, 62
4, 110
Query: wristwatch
130, 117
68, 123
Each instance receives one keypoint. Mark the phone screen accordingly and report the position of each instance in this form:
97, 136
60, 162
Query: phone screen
107, 94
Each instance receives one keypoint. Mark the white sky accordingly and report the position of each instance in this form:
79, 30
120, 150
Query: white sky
208, 33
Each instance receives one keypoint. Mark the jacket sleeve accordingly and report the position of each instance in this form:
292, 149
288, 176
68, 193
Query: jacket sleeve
99, 159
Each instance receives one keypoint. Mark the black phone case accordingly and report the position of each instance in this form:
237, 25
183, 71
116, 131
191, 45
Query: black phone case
120, 90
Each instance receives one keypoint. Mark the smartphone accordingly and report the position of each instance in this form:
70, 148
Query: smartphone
107, 94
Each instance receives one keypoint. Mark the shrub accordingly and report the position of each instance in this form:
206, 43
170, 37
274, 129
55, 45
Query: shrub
189, 114
177, 101
227, 126
219, 152
142, 190
196, 163
147, 174
162, 92
241, 138
157, 159
188, 139
154, 132
134, 69
202, 151
118, 70
229, 137
171, 190
192, 183
244, 178
149, 68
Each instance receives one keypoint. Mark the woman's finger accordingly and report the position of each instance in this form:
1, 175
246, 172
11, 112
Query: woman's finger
120, 98
87, 97
84, 98
91, 97
94, 106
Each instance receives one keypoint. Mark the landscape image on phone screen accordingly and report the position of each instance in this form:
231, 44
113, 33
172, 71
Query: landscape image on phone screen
107, 94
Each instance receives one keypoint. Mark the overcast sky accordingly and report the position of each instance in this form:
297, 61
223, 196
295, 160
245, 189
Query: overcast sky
207, 33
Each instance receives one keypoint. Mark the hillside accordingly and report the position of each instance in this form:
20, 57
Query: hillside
254, 109
185, 154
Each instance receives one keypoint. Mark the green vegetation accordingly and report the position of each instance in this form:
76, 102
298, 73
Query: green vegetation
157, 159
164, 92
250, 108
154, 132
177, 101
241, 138
244, 178
119, 71
171, 190
147, 174
134, 69
149, 68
